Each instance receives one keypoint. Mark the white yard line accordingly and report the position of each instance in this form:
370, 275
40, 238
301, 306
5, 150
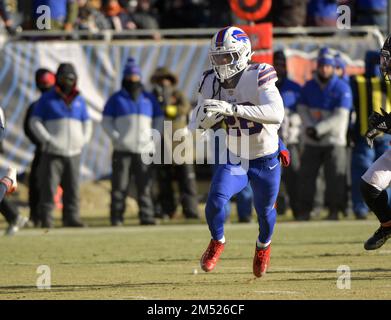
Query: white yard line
277, 292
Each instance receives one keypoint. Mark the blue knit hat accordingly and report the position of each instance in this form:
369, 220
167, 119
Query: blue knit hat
325, 57
130, 68
339, 61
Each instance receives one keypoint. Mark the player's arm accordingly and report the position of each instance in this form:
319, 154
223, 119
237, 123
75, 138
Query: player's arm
268, 110
378, 123
271, 111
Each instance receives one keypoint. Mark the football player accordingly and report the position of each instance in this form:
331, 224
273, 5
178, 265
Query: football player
8, 183
243, 95
377, 178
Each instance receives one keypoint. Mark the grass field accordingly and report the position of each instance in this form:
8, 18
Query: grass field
157, 263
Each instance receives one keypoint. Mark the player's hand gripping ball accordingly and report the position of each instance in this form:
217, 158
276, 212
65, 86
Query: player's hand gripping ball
219, 106
206, 119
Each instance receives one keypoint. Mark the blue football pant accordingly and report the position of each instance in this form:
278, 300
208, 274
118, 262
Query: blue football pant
264, 175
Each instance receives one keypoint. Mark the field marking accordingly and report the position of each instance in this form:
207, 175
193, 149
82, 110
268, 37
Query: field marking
277, 292
138, 298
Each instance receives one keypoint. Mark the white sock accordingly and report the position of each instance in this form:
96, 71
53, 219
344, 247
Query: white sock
222, 240
261, 245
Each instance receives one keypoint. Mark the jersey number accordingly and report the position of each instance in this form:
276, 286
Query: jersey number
251, 126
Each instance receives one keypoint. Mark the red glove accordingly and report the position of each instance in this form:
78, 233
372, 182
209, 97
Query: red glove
285, 158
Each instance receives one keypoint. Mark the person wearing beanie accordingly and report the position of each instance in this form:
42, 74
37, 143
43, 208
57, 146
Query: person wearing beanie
129, 116
176, 108
61, 122
289, 133
340, 67
44, 81
324, 108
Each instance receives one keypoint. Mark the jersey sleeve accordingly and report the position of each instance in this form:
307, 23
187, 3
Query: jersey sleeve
266, 75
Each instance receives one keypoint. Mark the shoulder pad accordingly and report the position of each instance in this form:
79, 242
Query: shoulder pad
266, 73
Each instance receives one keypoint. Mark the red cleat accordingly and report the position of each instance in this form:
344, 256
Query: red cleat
211, 255
261, 261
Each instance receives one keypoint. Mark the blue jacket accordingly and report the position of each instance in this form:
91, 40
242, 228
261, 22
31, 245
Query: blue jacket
62, 129
372, 5
290, 129
326, 109
290, 93
129, 123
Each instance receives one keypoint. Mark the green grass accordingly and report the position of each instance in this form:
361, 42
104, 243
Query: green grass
157, 263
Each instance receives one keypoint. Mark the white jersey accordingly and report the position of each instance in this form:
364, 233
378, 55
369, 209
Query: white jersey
260, 109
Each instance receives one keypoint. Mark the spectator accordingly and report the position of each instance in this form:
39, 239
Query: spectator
144, 17
176, 109
340, 67
322, 13
117, 16
370, 92
340, 71
61, 122
180, 14
290, 132
324, 109
288, 13
5, 15
90, 18
44, 80
370, 12
220, 14
63, 13
128, 118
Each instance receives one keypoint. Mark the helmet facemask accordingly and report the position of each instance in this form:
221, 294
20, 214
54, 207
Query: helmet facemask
385, 64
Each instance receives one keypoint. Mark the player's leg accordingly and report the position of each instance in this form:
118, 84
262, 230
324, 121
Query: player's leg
14, 218
244, 202
374, 183
225, 183
265, 178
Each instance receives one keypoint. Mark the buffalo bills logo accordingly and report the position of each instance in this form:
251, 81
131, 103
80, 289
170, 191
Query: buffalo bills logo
240, 36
